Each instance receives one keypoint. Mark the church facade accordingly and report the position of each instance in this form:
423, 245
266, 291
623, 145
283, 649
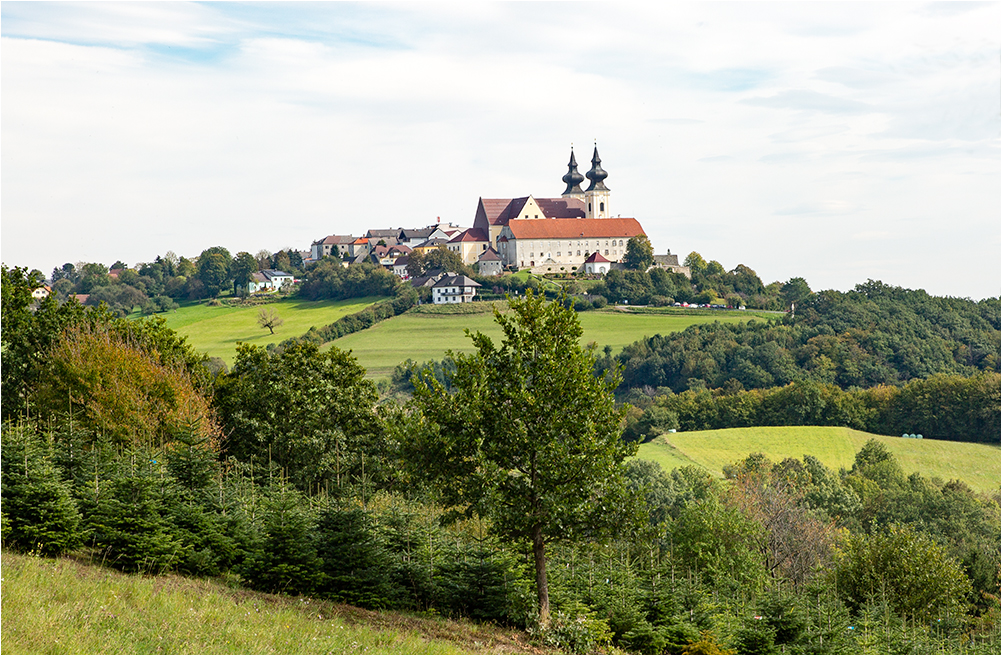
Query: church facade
553, 235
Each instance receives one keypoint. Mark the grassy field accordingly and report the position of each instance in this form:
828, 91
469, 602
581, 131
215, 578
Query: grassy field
422, 337
977, 465
217, 329
63, 606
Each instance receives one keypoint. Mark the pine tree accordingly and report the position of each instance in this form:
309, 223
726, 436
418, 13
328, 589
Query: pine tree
284, 559
356, 566
127, 526
39, 514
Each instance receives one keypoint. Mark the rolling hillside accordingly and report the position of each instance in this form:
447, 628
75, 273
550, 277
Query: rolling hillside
419, 336
66, 606
423, 337
975, 464
217, 329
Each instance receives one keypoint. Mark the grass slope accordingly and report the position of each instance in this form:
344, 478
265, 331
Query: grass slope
217, 329
423, 336
975, 464
62, 606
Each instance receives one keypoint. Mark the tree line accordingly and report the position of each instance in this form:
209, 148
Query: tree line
875, 334
942, 407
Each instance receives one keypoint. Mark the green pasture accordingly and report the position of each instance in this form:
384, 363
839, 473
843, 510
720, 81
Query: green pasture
70, 606
423, 337
217, 329
975, 464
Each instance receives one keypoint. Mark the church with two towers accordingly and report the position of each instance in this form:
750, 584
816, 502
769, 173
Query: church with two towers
574, 232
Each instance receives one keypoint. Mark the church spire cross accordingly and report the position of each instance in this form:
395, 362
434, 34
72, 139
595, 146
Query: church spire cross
597, 175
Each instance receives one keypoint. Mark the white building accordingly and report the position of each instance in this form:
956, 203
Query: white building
453, 288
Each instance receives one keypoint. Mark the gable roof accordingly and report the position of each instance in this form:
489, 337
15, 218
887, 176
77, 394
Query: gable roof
625, 227
596, 257
380, 233
336, 239
499, 211
456, 280
488, 255
417, 233
470, 235
438, 241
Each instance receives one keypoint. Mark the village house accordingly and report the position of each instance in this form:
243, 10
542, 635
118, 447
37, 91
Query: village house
469, 245
338, 244
453, 288
490, 263
268, 280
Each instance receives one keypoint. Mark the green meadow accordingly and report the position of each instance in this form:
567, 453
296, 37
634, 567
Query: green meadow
217, 329
427, 336
423, 334
975, 464
66, 606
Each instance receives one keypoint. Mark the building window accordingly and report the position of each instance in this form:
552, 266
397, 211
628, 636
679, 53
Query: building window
607, 251
602, 207
578, 252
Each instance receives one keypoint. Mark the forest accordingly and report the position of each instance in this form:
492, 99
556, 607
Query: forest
501, 486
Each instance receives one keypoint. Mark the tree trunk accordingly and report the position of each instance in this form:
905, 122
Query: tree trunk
540, 559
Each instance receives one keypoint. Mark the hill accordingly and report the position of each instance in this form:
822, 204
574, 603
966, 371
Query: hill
423, 336
65, 606
873, 335
977, 465
217, 329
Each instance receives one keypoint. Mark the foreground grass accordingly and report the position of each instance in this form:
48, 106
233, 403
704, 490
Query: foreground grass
423, 336
62, 606
217, 329
975, 464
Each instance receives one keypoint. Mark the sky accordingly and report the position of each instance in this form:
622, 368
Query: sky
838, 142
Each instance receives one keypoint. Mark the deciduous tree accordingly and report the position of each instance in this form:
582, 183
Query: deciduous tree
639, 255
526, 434
269, 319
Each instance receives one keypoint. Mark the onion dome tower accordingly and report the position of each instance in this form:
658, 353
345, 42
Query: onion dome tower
597, 195
573, 179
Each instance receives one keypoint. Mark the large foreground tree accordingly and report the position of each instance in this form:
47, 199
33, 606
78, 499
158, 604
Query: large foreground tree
525, 434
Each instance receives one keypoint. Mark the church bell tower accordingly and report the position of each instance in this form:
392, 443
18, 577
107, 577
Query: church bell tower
573, 179
597, 194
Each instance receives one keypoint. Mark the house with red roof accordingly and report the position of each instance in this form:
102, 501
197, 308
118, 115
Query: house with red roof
469, 245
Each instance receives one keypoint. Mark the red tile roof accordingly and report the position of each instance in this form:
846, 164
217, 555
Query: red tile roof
499, 211
574, 228
562, 208
470, 235
596, 257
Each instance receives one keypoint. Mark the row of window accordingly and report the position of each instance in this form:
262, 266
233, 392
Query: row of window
577, 253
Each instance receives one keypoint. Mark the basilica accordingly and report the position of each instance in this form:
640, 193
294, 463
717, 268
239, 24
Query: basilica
551, 235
